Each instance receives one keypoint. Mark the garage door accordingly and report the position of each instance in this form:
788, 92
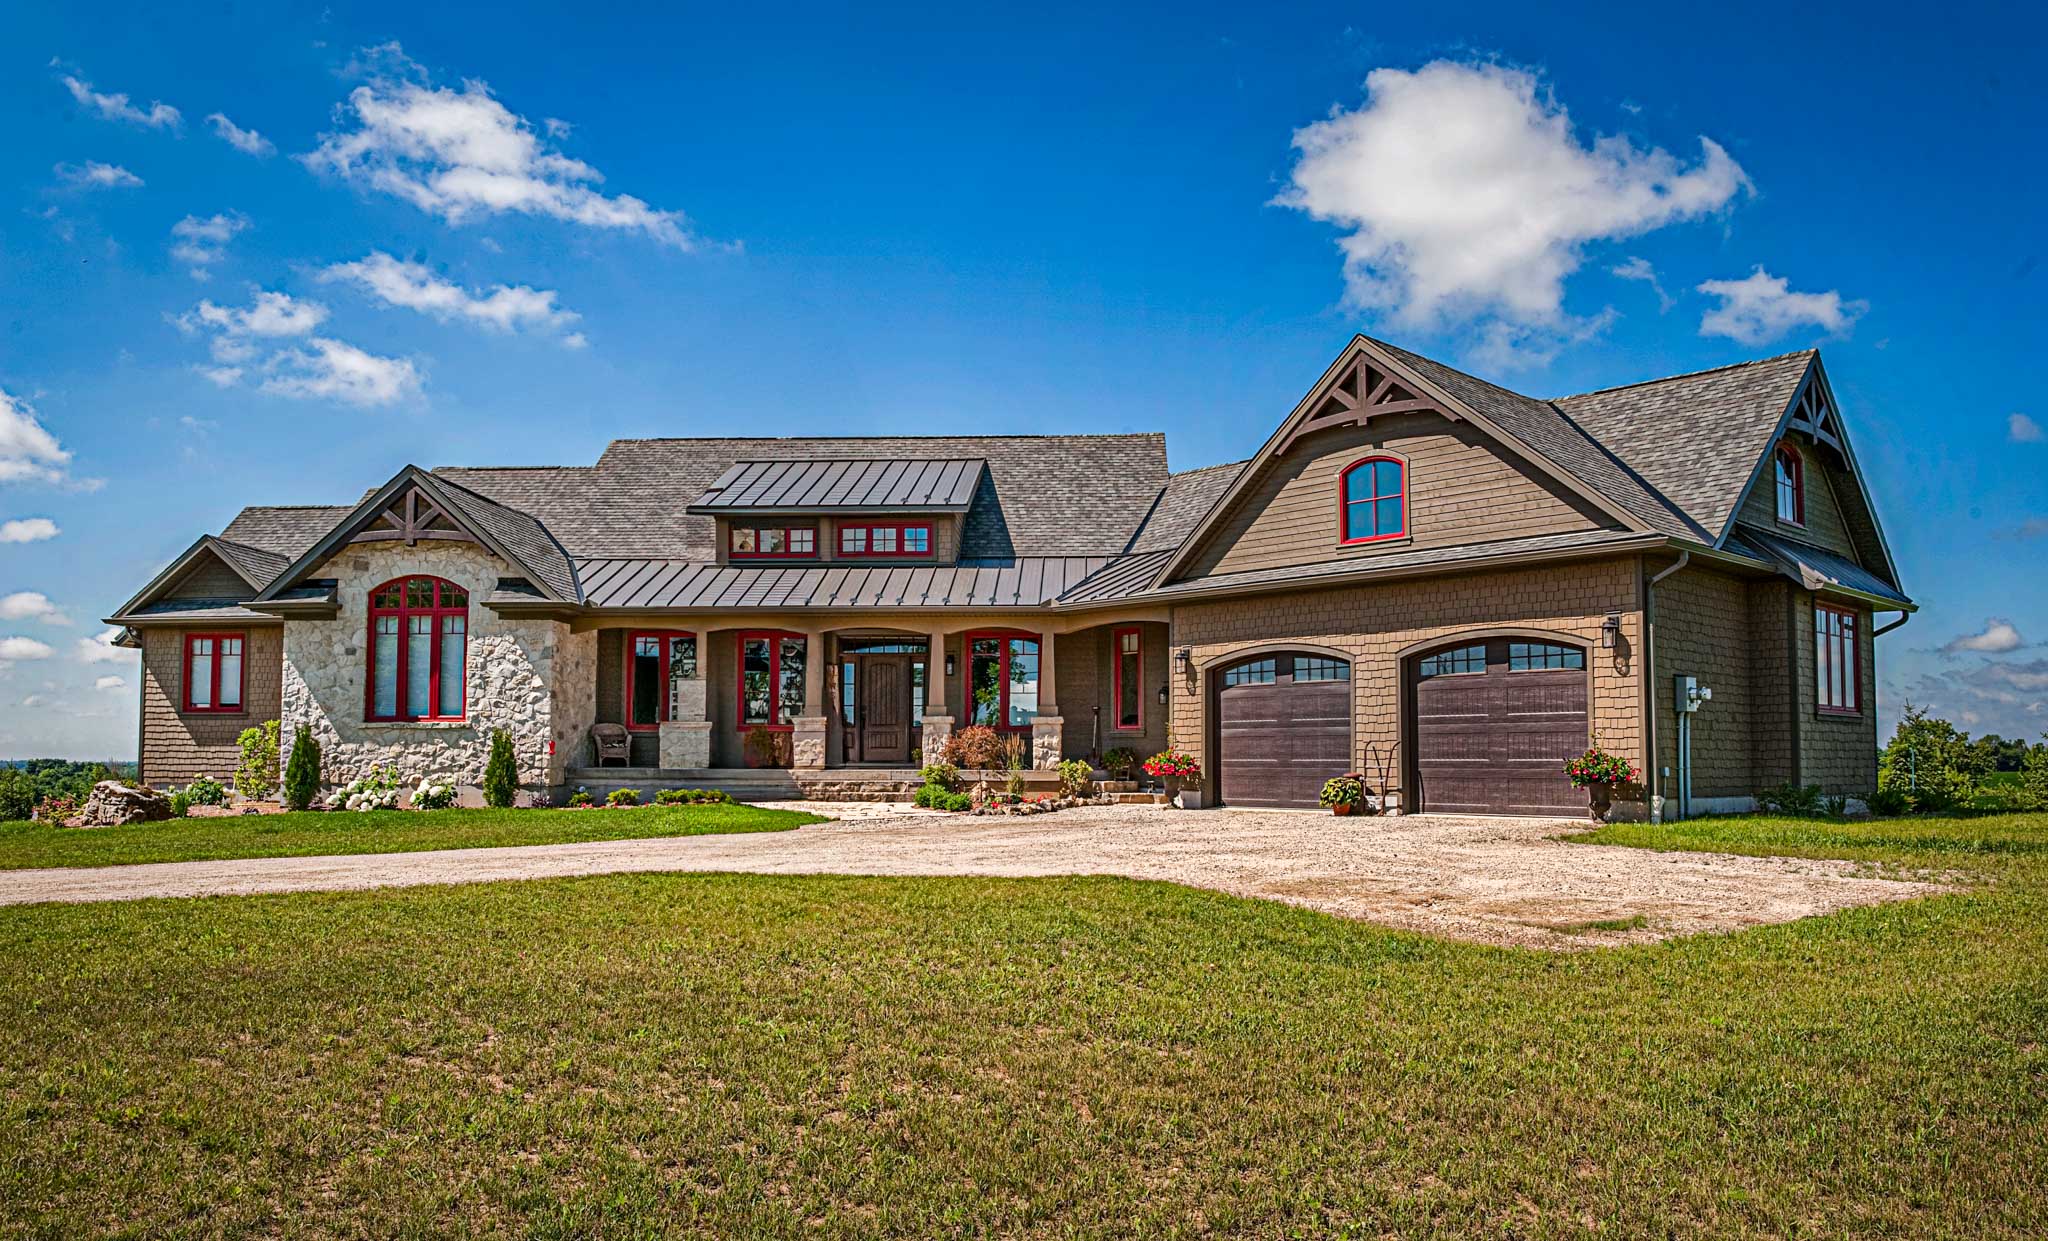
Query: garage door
1284, 727
1494, 722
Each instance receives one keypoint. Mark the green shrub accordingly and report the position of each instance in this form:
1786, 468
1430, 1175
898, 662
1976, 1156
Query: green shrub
1930, 762
1345, 790
302, 774
205, 792
2033, 778
17, 794
943, 774
1120, 762
1076, 777
1888, 803
181, 804
581, 797
256, 773
623, 797
501, 773
671, 797
1799, 800
958, 802
434, 794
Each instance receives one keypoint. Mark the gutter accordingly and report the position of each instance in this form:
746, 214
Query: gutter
1650, 675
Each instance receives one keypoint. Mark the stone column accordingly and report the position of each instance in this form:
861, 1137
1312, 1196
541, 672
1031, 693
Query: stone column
809, 730
937, 724
686, 734
1047, 727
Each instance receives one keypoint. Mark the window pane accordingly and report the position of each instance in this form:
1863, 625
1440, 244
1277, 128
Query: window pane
419, 592
384, 659
682, 666
1466, 659
419, 665
755, 695
885, 539
1307, 668
792, 679
1358, 485
1386, 478
1358, 521
1023, 681
1258, 672
853, 539
985, 672
1130, 672
453, 596
387, 597
199, 676
453, 632
770, 542
230, 672
743, 538
917, 671
848, 679
803, 541
644, 700
917, 539
1389, 517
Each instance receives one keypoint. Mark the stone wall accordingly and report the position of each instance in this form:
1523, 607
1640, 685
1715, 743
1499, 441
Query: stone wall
532, 678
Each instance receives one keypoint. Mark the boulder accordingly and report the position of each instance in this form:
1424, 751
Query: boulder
113, 803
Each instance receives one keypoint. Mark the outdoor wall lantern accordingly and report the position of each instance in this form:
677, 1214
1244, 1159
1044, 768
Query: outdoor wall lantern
949, 665
1183, 659
1610, 631
1162, 695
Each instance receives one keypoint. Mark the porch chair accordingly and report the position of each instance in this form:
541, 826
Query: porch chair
611, 741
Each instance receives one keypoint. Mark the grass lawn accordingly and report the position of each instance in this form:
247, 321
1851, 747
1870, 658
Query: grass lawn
309, 834
754, 1055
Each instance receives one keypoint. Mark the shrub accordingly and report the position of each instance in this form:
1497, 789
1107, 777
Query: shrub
1889, 803
302, 773
977, 748
501, 773
17, 794
433, 794
205, 792
256, 773
1930, 762
1345, 790
2033, 778
1076, 777
56, 808
1013, 762
945, 775
376, 791
1802, 801
958, 802
623, 797
581, 798
691, 797
1119, 762
181, 804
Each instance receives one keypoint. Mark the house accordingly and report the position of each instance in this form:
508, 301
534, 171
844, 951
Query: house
1418, 572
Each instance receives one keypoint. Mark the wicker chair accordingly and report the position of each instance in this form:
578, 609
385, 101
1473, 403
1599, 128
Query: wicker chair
611, 741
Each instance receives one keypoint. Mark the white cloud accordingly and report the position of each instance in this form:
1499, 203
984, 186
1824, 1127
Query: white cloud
36, 700
116, 107
93, 175
19, 648
1761, 307
31, 605
1998, 637
458, 153
1466, 194
332, 370
28, 530
220, 376
269, 314
110, 683
100, 649
28, 452
2024, 430
247, 141
204, 242
1640, 269
414, 286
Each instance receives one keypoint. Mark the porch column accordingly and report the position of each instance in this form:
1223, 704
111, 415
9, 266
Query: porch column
1047, 725
938, 725
808, 731
685, 736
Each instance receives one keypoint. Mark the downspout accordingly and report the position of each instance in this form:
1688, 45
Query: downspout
1650, 679
1882, 630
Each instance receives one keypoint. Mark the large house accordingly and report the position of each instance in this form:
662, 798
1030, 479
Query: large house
1418, 573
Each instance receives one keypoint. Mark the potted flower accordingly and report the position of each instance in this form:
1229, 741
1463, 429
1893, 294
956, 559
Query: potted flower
1174, 768
1343, 794
1598, 772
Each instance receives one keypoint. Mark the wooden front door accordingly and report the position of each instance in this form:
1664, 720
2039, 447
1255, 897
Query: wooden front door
884, 707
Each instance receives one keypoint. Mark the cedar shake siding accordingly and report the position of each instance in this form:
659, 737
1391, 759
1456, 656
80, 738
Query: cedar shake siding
176, 745
1703, 631
1826, 525
1837, 752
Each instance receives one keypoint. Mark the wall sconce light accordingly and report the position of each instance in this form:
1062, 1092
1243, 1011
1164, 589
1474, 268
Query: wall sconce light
1162, 695
1183, 659
1610, 631
949, 665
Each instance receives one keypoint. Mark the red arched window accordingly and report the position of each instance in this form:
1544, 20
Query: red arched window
1372, 500
1791, 486
419, 635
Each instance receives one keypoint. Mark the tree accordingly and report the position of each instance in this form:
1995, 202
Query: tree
501, 773
17, 794
1930, 762
302, 773
2034, 777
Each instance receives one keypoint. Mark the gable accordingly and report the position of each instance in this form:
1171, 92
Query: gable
207, 577
1826, 524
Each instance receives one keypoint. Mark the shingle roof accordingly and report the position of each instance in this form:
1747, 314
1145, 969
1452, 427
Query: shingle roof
1186, 499
254, 563
1697, 438
814, 486
1026, 581
519, 533
286, 530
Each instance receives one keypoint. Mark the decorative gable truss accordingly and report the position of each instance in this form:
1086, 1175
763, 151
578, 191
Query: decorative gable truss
1364, 390
410, 518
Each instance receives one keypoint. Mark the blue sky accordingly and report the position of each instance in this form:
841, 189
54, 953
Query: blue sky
415, 235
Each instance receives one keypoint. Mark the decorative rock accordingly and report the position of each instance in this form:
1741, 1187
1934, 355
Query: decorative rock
113, 803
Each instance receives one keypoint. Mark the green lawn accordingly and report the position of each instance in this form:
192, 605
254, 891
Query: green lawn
818, 1057
378, 831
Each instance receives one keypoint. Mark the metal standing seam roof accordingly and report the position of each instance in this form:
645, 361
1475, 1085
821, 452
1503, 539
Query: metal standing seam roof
683, 585
814, 485
1813, 567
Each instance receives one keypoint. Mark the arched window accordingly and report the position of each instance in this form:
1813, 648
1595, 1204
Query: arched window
419, 635
1373, 500
1791, 486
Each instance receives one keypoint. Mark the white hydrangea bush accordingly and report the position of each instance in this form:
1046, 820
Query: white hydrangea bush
434, 793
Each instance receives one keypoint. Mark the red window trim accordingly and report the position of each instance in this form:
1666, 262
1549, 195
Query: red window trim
1116, 700
1344, 503
1791, 454
404, 653
736, 554
930, 541
1849, 645
661, 709
739, 650
1003, 724
241, 706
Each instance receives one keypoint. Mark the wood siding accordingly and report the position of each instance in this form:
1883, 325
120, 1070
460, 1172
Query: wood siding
176, 746
1705, 630
208, 577
1462, 489
1826, 525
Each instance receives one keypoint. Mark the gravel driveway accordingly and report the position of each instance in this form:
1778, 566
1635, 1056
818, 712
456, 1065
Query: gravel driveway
1502, 881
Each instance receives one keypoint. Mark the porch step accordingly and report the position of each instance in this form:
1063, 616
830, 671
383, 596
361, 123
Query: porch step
1141, 799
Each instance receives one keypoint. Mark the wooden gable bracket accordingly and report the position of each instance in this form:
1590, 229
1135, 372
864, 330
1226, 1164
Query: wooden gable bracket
1814, 413
410, 518
1367, 392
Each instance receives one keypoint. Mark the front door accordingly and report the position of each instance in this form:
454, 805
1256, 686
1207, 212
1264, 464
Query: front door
884, 703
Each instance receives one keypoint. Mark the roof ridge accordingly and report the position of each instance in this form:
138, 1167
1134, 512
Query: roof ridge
1710, 370
1203, 469
787, 439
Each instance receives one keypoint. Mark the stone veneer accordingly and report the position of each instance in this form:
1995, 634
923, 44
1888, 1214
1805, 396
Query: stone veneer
533, 678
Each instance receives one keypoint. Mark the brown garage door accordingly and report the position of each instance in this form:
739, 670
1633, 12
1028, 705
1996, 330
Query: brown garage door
1283, 727
1494, 722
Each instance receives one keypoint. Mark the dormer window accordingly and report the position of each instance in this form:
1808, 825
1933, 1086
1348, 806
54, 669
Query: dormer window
1373, 500
886, 539
771, 542
1791, 486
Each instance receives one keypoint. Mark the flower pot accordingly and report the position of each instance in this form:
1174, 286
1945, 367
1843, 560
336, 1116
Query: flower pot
1172, 786
1340, 808
1602, 801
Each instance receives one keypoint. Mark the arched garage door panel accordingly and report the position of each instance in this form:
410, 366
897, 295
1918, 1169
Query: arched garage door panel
1283, 727
1494, 722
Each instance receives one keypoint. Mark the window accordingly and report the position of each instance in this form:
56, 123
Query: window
1538, 656
1128, 678
657, 663
771, 679
1257, 672
888, 539
1373, 503
768, 542
419, 634
1463, 660
213, 672
1002, 678
1791, 486
1837, 660
1315, 668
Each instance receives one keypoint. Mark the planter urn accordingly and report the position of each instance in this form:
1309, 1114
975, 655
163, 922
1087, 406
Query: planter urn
1602, 801
1341, 808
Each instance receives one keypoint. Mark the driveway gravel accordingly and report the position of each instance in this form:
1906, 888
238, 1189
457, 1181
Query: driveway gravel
1501, 881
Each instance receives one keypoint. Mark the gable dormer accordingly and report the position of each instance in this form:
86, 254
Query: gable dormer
869, 511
